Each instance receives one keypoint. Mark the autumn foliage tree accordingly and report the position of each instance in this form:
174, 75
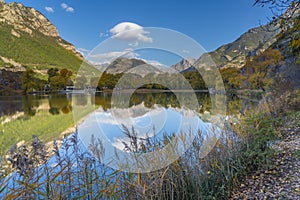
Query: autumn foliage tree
260, 69
232, 77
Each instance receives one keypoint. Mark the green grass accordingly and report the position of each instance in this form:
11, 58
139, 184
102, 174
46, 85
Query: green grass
40, 76
2, 63
37, 51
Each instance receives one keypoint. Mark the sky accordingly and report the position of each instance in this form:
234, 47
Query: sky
212, 23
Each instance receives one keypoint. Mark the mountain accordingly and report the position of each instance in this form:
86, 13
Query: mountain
252, 43
122, 64
28, 38
234, 54
135, 66
184, 64
288, 45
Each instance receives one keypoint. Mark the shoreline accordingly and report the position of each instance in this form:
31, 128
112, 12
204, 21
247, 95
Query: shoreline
108, 91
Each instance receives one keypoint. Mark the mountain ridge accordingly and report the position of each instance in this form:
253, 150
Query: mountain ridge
234, 54
24, 29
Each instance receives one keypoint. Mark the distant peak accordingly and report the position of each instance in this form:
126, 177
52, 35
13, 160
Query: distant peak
184, 64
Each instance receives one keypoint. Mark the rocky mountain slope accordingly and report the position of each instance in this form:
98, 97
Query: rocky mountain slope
120, 65
28, 38
250, 43
234, 54
184, 64
136, 66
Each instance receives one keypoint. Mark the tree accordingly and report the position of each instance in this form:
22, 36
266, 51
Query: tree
196, 80
66, 73
28, 81
232, 77
58, 82
260, 69
51, 73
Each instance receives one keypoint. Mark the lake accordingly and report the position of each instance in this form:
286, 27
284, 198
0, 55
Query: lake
48, 116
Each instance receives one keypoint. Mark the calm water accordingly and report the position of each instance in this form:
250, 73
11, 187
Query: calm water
62, 103
47, 116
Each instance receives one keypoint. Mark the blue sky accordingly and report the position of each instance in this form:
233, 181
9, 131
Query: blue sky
211, 23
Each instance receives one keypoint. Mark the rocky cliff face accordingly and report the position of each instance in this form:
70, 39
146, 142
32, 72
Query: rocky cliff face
29, 20
183, 64
26, 19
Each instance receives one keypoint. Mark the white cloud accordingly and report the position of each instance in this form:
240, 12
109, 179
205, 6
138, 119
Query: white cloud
103, 34
134, 44
107, 58
83, 51
64, 6
110, 56
153, 63
67, 8
70, 9
130, 32
49, 9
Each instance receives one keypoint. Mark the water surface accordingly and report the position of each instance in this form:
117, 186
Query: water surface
47, 116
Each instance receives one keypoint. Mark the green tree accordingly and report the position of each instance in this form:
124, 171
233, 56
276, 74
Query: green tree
58, 82
51, 73
196, 80
28, 81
